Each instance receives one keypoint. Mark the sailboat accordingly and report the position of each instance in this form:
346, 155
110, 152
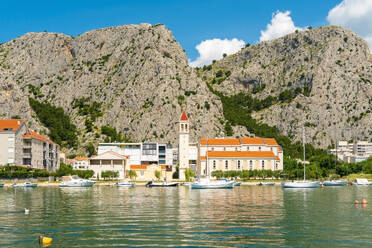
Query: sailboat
207, 183
304, 183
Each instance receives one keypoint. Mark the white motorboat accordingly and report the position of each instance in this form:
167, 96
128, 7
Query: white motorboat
125, 184
301, 184
361, 181
75, 181
1, 185
206, 183
24, 185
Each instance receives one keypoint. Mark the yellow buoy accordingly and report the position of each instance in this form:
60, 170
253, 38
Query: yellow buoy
45, 240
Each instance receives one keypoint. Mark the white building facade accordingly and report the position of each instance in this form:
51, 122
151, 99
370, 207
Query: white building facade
141, 153
352, 152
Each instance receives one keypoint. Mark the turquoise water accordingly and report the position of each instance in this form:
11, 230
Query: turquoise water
247, 216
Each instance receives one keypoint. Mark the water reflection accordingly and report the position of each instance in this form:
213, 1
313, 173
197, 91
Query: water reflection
248, 215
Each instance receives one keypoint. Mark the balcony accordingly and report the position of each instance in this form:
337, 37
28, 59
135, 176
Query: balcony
27, 155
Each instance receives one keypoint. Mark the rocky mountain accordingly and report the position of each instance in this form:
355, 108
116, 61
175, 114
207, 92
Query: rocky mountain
136, 79
319, 78
137, 74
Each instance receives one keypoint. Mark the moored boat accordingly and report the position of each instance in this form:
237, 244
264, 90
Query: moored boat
334, 183
361, 181
266, 184
300, 184
75, 181
24, 185
163, 184
206, 183
237, 184
125, 184
1, 185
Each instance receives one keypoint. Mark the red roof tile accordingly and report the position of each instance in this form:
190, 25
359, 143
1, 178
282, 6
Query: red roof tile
10, 125
271, 142
34, 135
220, 142
252, 141
184, 116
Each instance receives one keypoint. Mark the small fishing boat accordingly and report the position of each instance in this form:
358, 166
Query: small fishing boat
334, 183
24, 185
266, 184
237, 184
124, 184
361, 181
163, 184
206, 183
1, 185
75, 181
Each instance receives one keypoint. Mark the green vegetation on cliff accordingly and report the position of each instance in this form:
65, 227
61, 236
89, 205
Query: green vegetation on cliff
62, 131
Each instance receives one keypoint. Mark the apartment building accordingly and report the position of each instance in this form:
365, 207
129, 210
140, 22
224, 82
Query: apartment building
141, 153
352, 152
22, 146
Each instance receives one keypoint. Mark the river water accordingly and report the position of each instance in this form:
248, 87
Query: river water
246, 216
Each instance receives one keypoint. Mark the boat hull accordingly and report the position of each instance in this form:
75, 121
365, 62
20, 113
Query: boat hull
300, 185
128, 185
211, 185
266, 184
237, 184
1, 185
77, 185
25, 185
334, 183
151, 184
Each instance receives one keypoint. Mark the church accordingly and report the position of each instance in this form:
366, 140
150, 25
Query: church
210, 154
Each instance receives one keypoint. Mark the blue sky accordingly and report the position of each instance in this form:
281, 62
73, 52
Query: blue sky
190, 21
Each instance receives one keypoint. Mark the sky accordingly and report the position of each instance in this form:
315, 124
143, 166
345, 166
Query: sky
206, 29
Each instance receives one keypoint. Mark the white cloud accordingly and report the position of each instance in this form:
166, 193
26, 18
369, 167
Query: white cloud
355, 15
281, 24
214, 49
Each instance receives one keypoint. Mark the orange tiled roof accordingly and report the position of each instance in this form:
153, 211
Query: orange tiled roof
78, 158
34, 135
184, 116
144, 166
271, 142
220, 142
241, 154
203, 157
13, 124
279, 149
253, 141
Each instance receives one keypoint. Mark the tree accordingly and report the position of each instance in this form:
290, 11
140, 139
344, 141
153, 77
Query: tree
90, 149
189, 174
64, 170
157, 174
132, 174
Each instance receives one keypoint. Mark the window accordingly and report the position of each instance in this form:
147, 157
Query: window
263, 164
259, 148
238, 164
10, 160
10, 149
10, 139
181, 127
251, 165
226, 165
185, 127
142, 173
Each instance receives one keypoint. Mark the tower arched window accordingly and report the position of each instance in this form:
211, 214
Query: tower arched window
182, 127
186, 127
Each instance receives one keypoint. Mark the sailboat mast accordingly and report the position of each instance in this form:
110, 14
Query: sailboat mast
207, 160
303, 142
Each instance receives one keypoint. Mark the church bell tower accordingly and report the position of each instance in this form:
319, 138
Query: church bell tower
183, 146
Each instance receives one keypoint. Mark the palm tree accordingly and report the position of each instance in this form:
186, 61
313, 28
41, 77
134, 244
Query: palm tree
132, 174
